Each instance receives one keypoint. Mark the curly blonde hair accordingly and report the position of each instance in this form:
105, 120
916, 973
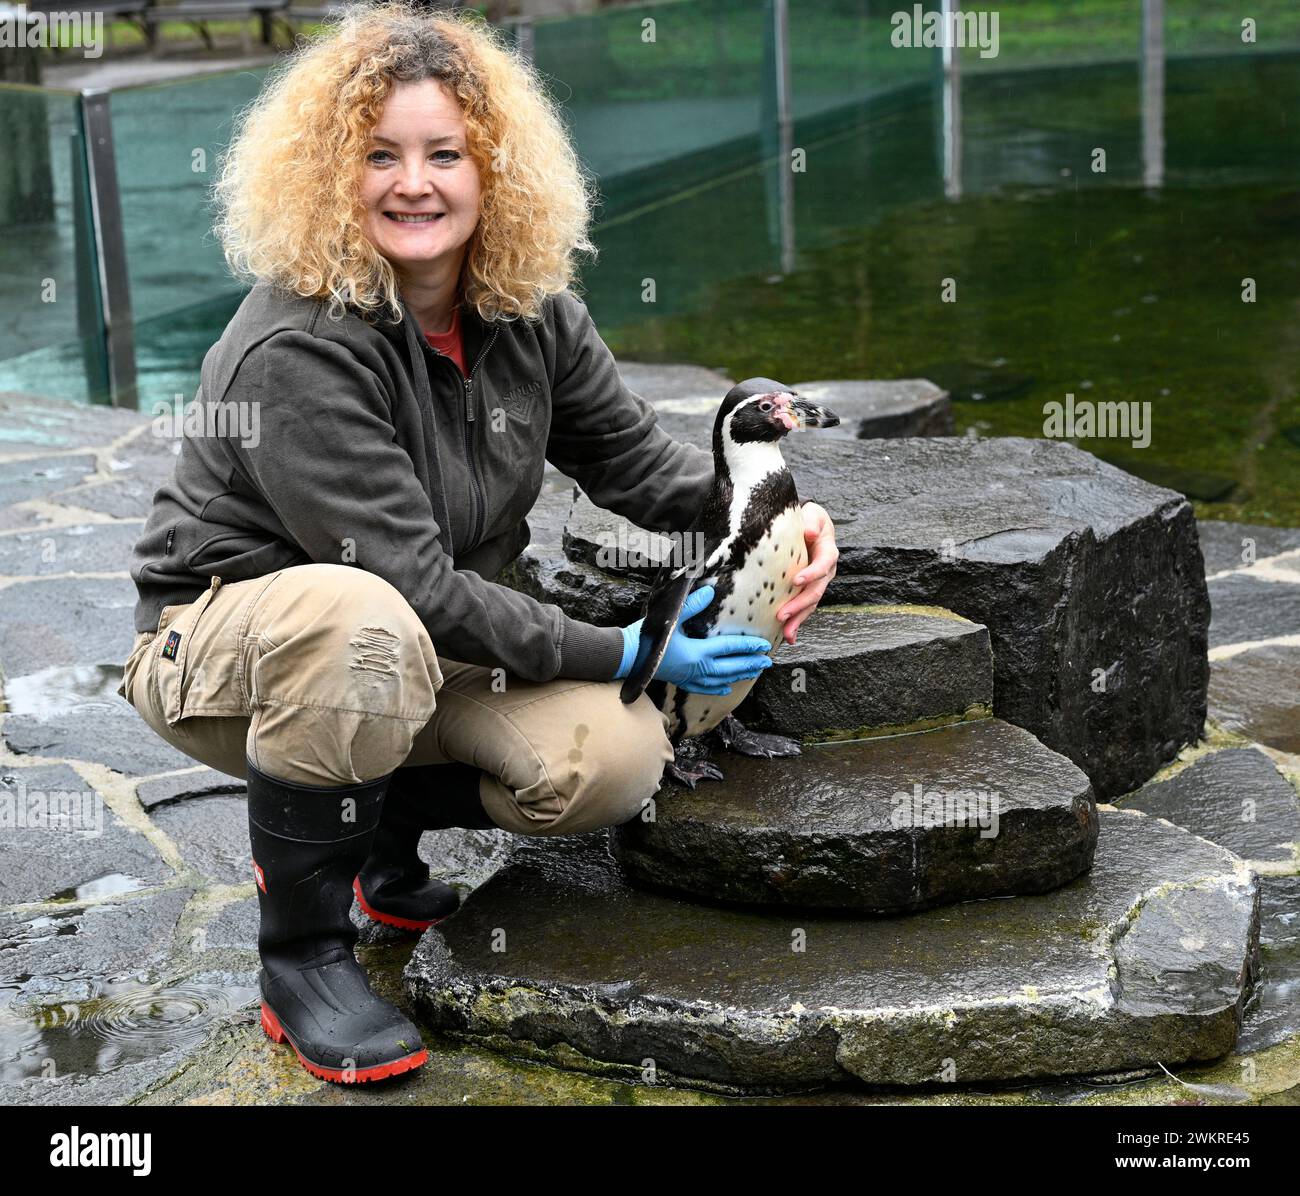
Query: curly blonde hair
288, 191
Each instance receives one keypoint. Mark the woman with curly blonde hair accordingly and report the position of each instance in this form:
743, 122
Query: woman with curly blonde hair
317, 606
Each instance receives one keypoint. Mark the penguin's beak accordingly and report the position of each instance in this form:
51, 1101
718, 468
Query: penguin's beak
808, 414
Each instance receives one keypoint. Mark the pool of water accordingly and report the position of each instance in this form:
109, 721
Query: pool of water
1066, 281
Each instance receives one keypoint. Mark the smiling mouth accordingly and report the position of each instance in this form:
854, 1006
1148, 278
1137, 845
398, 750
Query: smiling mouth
414, 217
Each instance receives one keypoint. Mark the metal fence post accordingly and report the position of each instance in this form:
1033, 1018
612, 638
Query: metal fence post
522, 28
1153, 92
776, 131
951, 104
785, 125
109, 247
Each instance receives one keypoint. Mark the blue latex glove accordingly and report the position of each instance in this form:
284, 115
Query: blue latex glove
705, 665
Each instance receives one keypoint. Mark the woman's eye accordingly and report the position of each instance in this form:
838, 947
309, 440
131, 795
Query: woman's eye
382, 157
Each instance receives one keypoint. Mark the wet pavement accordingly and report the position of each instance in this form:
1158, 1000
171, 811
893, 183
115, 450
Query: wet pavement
127, 911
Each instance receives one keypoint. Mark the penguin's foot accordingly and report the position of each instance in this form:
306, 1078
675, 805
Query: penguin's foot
736, 737
690, 765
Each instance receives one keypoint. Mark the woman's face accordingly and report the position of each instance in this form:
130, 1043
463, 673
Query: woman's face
419, 187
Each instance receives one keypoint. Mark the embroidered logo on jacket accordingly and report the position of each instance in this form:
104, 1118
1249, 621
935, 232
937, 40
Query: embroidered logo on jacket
520, 395
171, 646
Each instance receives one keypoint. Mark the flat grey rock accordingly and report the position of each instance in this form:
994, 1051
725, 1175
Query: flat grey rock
466, 858
1148, 957
121, 498
80, 548
1248, 608
130, 1038
206, 782
138, 468
662, 385
39, 477
74, 712
1085, 576
212, 835
13, 516
905, 822
63, 643
30, 423
545, 572
1224, 544
1257, 694
867, 409
65, 954
235, 926
590, 536
60, 840
1273, 1014
883, 409
894, 667
69, 621
546, 519
103, 1002
1235, 798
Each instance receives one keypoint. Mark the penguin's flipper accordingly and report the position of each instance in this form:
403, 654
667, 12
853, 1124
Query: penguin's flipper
663, 608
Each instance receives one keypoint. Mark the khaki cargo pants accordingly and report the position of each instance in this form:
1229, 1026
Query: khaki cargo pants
323, 675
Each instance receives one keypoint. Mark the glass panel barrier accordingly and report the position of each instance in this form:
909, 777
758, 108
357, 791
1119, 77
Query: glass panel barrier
51, 334
182, 294
667, 103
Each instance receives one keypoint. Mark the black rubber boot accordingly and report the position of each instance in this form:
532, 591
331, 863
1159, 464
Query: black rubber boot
394, 886
308, 842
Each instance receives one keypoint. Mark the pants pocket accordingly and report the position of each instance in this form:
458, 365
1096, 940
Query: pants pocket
190, 676
138, 652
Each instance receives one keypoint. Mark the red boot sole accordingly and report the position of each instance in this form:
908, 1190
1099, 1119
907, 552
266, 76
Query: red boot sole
337, 1075
389, 919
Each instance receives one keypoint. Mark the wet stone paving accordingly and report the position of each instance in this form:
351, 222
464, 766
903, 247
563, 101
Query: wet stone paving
128, 964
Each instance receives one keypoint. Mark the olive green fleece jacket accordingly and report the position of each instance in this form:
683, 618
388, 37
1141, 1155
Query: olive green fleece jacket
351, 441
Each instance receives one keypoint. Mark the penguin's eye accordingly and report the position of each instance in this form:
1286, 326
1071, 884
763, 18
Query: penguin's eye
765, 405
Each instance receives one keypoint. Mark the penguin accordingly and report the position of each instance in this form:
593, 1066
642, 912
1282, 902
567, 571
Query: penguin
748, 543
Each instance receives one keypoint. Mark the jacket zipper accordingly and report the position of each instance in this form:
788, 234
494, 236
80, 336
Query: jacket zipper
477, 498
480, 513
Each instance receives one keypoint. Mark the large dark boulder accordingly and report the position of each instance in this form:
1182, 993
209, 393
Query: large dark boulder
1090, 582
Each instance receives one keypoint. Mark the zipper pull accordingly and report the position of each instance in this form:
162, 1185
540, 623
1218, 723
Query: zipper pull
469, 400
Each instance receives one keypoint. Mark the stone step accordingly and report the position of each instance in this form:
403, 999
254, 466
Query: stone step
860, 671
877, 826
872, 410
1147, 958
1089, 580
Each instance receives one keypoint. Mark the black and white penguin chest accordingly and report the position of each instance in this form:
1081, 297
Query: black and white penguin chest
757, 547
